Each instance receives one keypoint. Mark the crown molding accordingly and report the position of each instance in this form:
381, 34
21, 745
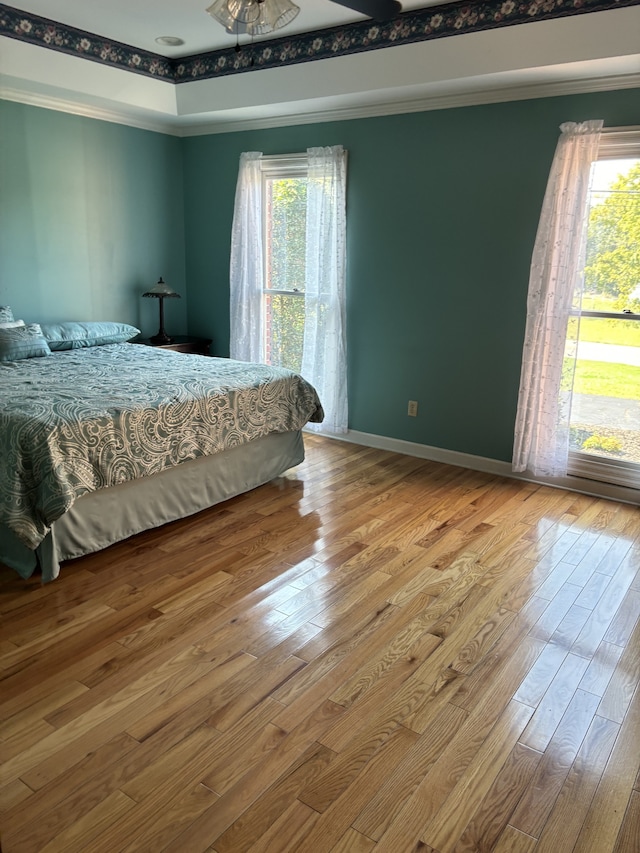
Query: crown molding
428, 103
78, 108
181, 128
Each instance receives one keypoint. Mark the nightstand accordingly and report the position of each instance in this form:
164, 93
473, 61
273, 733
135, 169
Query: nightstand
182, 343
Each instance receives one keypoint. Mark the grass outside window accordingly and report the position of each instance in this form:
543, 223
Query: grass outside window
607, 379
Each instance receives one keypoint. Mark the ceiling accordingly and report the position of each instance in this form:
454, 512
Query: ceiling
140, 22
595, 51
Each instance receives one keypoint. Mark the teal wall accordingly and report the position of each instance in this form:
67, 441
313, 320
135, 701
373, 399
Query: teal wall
442, 213
91, 214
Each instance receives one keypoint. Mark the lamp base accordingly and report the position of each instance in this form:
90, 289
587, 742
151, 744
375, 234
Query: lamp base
161, 338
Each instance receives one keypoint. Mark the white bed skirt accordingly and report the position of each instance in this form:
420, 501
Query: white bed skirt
101, 518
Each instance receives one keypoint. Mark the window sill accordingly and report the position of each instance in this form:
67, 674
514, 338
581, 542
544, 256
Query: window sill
604, 470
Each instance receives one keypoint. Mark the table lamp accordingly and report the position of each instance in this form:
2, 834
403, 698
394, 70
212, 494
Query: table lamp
161, 291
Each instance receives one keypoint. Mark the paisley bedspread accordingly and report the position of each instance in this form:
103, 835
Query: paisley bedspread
85, 419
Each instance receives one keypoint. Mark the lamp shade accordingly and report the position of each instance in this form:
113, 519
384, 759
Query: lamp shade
256, 17
161, 289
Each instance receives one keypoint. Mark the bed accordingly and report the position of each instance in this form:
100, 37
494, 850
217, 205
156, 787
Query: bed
99, 443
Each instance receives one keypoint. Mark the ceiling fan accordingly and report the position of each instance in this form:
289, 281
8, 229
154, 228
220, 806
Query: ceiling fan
379, 10
259, 17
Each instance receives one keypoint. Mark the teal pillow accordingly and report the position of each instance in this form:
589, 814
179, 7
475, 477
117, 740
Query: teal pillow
61, 336
6, 314
22, 342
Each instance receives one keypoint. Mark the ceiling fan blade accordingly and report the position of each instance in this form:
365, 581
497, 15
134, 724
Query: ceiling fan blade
379, 10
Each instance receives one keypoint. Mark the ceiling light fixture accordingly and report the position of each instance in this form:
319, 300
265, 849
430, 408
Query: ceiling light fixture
170, 41
255, 17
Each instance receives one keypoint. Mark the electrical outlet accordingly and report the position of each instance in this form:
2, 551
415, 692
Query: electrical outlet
412, 409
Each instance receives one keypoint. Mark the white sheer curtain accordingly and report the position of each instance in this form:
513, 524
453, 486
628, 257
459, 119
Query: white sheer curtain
541, 443
324, 346
324, 361
246, 270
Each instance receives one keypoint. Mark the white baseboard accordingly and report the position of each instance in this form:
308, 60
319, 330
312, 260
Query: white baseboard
488, 466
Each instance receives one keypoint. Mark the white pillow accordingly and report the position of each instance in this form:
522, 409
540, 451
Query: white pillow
12, 325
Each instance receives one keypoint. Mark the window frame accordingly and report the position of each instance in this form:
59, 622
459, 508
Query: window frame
616, 143
275, 167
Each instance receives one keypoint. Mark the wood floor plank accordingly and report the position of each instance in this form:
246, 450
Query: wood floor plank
334, 822
389, 698
551, 546
619, 550
449, 822
81, 835
200, 745
379, 664
159, 828
12, 795
547, 624
625, 619
200, 699
623, 682
555, 577
247, 792
157, 820
491, 817
58, 657
346, 767
25, 738
398, 787
570, 627
604, 612
367, 620
74, 740
514, 841
288, 832
554, 703
344, 659
421, 808
542, 673
546, 783
570, 807
602, 666
628, 838
587, 553
608, 807
353, 842
509, 661
127, 665
58, 630
374, 652
257, 819
242, 751
77, 791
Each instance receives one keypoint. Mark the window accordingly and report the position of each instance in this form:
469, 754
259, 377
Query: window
579, 398
287, 272
284, 189
603, 335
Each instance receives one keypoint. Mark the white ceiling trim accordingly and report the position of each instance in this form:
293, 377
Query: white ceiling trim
394, 107
435, 102
50, 102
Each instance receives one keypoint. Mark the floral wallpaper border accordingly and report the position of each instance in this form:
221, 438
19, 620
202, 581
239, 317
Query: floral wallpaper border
43, 32
465, 16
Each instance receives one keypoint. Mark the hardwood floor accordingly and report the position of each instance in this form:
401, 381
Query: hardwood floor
373, 653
